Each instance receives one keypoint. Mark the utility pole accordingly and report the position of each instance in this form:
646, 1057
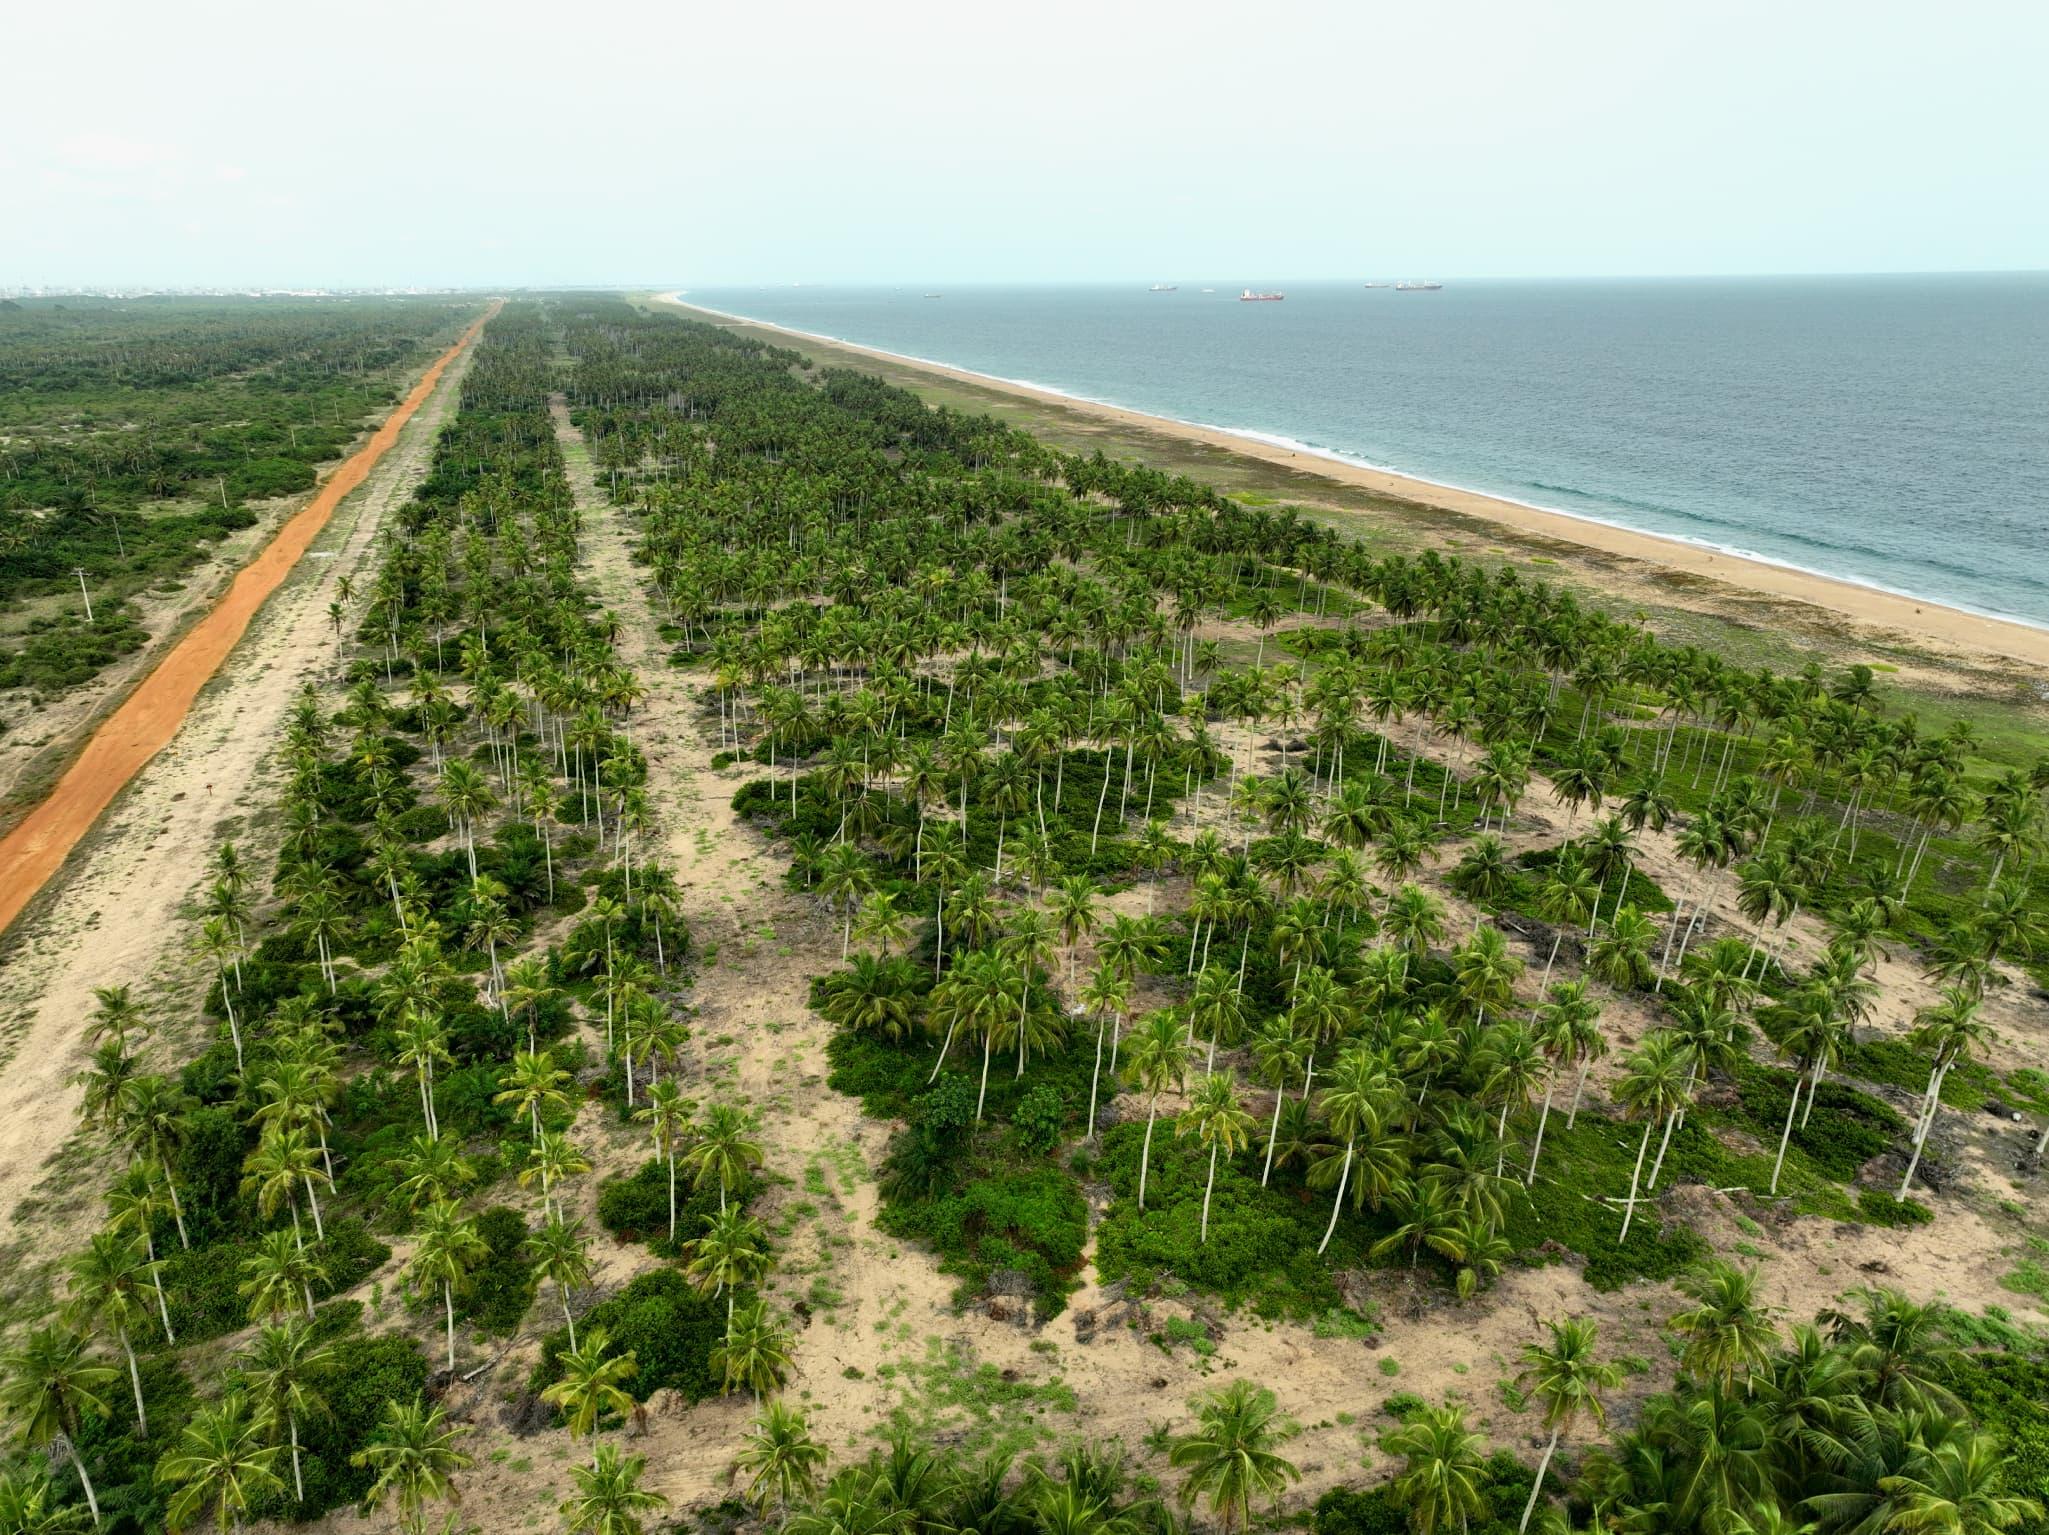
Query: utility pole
79, 571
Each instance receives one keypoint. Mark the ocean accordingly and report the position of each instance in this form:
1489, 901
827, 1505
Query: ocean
1892, 431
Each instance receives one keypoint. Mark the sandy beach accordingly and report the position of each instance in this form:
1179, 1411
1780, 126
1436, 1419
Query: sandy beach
1889, 617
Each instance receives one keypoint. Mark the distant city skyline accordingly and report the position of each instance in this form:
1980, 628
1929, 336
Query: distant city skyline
227, 144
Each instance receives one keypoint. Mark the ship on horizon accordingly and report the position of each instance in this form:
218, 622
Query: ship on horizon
1378, 285
1417, 287
1249, 297
1164, 287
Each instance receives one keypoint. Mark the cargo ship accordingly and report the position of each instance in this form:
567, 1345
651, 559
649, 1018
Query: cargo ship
1417, 287
1249, 297
1163, 287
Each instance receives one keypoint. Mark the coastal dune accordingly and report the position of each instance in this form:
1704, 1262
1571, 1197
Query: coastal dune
1886, 617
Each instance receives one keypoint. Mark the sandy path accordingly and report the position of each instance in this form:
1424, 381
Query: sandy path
151, 715
121, 917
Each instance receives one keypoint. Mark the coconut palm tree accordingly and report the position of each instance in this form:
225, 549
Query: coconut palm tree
48, 1385
1949, 1032
609, 1499
1107, 997
1958, 1488
413, 1451
1653, 1088
448, 1249
432, 1170
134, 1205
591, 1385
1565, 898
1217, 1120
1074, 913
1622, 955
1564, 1379
221, 1462
667, 1116
1278, 1052
732, 1253
27, 1506
756, 1350
1154, 1061
283, 1365
781, 1457
560, 1254
532, 1087
1232, 1455
109, 1279
1728, 1330
1443, 1480
154, 1116
282, 1273
1568, 1031
1355, 1105
722, 1150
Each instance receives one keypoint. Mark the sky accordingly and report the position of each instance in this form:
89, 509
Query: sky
608, 143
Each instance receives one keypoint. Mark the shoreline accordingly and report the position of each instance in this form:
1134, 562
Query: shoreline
1940, 624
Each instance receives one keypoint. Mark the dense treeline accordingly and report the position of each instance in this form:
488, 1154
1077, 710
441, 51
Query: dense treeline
1005, 693
134, 433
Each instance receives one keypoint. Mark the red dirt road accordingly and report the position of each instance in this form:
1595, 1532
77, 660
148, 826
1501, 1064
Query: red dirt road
147, 719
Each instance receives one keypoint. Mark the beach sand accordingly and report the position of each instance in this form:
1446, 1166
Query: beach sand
1628, 564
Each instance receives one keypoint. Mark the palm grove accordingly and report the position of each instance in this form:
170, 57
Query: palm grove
1173, 845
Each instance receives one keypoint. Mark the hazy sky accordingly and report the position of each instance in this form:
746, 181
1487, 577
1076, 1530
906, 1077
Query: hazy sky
877, 140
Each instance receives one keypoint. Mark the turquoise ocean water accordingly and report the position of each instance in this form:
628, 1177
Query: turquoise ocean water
1887, 430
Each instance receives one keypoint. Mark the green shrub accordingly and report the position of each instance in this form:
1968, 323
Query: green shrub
1881, 1209
1342, 1511
201, 1286
502, 1286
1031, 1220
1039, 1118
368, 1372
636, 1209
667, 1326
1262, 1242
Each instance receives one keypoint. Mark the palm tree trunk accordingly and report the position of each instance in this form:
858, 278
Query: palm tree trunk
1280, 1097
1207, 1189
135, 1380
448, 1304
92, 1500
1629, 1212
1095, 1077
1337, 1204
944, 1044
1785, 1135
1579, 1091
1543, 1118
988, 1044
1664, 1141
177, 1209
1145, 1154
562, 1291
1537, 1486
298, 1481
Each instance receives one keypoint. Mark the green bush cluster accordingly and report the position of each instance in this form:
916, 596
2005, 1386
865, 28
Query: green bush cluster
668, 1327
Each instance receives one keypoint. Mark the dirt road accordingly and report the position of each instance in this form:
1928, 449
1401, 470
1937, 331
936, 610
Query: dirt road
148, 718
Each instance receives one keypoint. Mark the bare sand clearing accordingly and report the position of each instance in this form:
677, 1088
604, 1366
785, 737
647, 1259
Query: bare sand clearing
120, 916
1929, 623
147, 719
